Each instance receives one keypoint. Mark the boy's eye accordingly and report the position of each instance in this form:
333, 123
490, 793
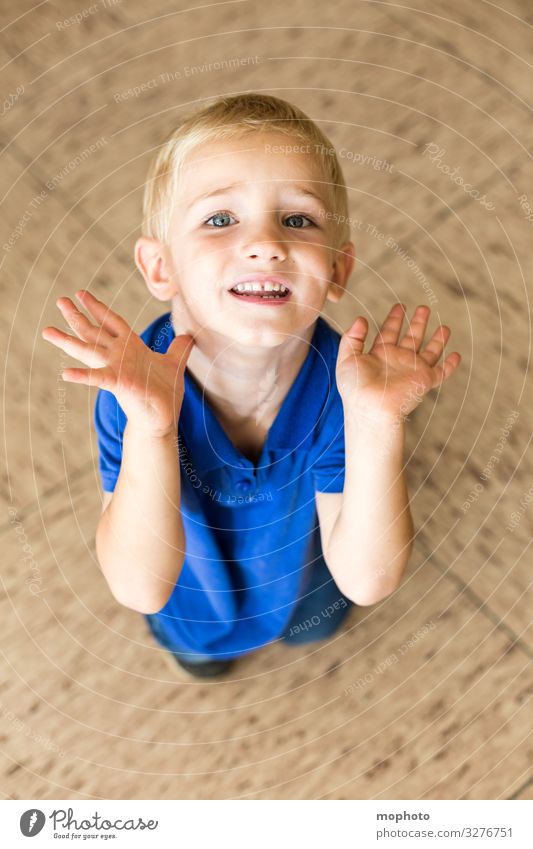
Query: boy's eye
218, 215
298, 218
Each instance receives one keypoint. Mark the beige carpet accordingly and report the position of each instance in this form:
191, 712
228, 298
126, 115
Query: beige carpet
425, 696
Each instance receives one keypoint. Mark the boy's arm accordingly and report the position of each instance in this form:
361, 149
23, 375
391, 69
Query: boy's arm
140, 541
367, 530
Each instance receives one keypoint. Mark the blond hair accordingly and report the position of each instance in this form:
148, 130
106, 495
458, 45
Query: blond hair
232, 117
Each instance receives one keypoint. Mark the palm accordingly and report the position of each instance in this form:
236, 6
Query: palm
144, 382
393, 376
147, 385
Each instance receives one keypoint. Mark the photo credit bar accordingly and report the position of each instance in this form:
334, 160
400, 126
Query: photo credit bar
448, 824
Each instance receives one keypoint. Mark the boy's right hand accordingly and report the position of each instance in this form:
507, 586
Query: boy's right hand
148, 386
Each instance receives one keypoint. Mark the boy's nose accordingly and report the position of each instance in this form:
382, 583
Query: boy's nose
265, 246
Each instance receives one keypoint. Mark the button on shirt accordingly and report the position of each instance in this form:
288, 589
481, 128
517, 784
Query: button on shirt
251, 529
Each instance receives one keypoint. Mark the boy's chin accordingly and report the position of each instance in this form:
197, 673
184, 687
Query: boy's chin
253, 337
257, 332
252, 334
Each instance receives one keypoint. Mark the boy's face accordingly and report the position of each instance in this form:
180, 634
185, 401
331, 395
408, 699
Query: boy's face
252, 208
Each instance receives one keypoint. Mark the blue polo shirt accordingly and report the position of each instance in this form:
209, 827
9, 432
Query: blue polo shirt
251, 529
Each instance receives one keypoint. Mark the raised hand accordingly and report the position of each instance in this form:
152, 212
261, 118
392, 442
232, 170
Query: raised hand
148, 386
393, 377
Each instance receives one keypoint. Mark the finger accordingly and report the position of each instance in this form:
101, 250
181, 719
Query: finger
357, 334
390, 329
414, 335
434, 348
449, 365
79, 323
110, 321
90, 377
91, 355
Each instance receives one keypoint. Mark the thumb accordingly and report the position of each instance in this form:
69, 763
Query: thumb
355, 335
180, 348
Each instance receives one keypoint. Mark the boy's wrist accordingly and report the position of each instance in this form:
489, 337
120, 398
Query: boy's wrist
141, 431
374, 421
381, 439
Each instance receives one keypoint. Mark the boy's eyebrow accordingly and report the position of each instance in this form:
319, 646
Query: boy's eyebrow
296, 189
219, 191
302, 190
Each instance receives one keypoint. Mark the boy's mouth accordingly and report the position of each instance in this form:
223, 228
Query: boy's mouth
261, 291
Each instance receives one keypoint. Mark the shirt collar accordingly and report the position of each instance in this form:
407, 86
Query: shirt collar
207, 444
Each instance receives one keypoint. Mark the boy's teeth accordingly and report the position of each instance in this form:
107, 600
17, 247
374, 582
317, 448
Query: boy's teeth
267, 286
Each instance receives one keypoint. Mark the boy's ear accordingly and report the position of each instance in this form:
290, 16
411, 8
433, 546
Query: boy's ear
151, 258
342, 268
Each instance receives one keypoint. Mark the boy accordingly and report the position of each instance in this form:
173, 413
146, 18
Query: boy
251, 457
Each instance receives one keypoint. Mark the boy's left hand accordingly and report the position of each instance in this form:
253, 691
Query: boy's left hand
392, 378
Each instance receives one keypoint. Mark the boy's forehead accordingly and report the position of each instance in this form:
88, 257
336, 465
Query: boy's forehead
213, 165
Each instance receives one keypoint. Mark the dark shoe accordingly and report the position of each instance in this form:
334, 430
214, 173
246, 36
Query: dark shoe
206, 670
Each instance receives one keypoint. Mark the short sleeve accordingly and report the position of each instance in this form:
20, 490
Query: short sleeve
329, 464
109, 422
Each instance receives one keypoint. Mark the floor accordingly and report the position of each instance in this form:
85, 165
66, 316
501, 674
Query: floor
424, 696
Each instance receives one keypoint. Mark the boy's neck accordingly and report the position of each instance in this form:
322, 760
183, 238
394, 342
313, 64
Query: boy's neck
241, 382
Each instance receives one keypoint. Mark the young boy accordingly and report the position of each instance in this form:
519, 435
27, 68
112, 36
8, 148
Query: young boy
251, 457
